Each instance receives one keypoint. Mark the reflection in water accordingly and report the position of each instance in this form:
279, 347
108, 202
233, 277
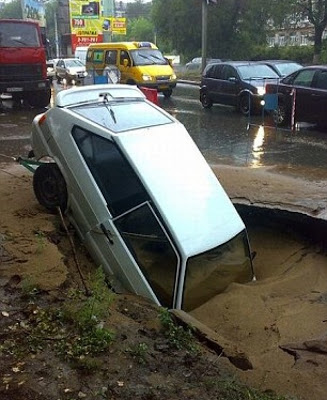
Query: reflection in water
257, 148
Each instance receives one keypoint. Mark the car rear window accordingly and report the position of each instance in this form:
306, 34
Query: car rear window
123, 116
257, 71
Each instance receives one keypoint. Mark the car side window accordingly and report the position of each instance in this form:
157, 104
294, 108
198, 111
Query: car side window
215, 72
114, 176
111, 57
124, 56
321, 82
98, 56
229, 72
304, 78
89, 55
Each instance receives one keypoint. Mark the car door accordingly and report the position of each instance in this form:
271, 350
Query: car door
318, 97
304, 102
133, 233
213, 81
230, 86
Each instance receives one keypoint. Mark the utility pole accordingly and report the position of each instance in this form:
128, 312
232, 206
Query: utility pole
204, 33
205, 4
56, 33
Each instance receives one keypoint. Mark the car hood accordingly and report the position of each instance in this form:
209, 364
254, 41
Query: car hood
75, 70
194, 205
156, 70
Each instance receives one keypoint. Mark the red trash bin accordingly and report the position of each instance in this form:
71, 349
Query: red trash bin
150, 94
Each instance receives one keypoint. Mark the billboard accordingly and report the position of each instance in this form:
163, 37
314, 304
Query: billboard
85, 22
33, 10
116, 26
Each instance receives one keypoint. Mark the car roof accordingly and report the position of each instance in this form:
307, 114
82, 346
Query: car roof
277, 62
93, 93
233, 63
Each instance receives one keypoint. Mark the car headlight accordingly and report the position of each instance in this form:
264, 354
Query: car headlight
147, 77
85, 73
173, 77
261, 91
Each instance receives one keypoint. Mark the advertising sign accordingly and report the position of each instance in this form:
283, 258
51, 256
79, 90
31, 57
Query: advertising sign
33, 10
85, 22
114, 25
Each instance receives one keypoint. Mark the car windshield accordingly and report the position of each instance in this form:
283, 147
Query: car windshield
258, 71
148, 57
210, 273
287, 68
18, 35
73, 63
123, 116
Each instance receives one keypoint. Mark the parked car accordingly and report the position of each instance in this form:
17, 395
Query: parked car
236, 83
282, 67
196, 64
305, 93
71, 69
51, 69
157, 220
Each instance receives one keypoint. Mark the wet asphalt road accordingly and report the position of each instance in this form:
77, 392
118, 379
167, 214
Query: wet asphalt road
222, 134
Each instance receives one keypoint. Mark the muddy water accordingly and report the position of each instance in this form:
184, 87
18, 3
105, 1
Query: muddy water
286, 306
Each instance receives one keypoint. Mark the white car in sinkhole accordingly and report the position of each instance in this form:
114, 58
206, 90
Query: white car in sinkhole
140, 194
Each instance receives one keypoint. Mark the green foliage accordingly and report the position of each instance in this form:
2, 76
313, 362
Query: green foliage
140, 29
178, 337
76, 331
12, 10
301, 54
138, 351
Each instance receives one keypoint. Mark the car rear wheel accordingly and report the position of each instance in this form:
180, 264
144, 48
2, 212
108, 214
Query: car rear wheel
205, 100
50, 187
280, 116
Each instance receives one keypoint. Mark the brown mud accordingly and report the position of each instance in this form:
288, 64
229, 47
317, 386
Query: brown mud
279, 321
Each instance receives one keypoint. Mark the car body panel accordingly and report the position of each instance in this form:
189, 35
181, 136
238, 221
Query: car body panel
307, 89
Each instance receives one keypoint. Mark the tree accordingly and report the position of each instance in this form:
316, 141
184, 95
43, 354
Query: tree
140, 29
316, 12
12, 10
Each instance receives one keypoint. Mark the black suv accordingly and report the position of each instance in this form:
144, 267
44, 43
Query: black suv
236, 83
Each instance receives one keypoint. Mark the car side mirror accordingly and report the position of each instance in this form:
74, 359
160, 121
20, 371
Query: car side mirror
232, 79
125, 62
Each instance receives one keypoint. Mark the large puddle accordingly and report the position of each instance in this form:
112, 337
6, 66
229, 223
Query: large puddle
279, 321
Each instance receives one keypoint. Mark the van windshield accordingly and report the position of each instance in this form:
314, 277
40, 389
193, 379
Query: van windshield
148, 57
209, 273
17, 34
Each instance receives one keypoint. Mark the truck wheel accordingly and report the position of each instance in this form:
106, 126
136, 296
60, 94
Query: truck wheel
167, 93
39, 99
50, 187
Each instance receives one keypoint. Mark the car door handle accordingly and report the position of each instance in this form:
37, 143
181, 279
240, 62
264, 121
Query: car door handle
107, 233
